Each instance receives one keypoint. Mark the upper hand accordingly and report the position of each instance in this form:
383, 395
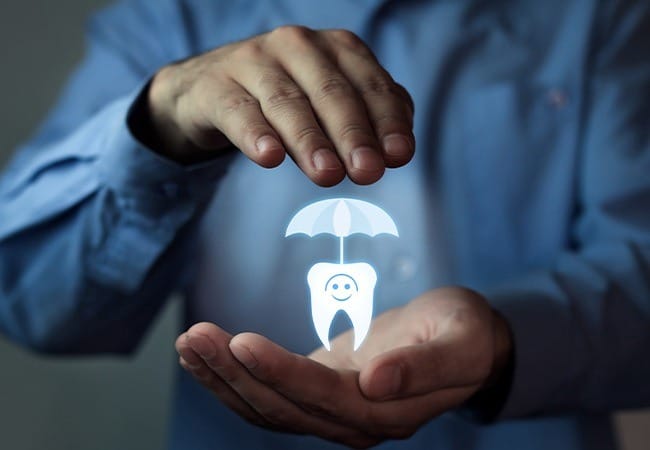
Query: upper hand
320, 96
418, 361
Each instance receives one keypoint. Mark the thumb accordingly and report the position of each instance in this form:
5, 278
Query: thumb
420, 369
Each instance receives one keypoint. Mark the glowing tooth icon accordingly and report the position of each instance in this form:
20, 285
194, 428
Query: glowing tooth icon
342, 287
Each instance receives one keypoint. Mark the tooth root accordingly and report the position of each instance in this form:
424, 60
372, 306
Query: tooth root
361, 322
322, 316
322, 310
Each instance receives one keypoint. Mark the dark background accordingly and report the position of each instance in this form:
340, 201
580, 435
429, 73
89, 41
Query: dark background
92, 403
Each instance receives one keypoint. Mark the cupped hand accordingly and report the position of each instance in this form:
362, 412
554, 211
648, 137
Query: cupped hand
417, 362
319, 95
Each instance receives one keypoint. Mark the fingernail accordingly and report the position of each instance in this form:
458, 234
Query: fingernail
267, 143
389, 380
243, 355
396, 145
325, 159
365, 158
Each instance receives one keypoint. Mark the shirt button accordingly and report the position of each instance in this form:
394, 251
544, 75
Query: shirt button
404, 268
557, 98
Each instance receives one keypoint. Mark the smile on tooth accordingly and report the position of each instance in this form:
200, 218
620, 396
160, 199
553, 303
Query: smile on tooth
342, 287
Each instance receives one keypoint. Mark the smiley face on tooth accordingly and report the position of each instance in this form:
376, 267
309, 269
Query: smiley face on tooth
341, 287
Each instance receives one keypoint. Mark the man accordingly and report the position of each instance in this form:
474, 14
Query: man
530, 186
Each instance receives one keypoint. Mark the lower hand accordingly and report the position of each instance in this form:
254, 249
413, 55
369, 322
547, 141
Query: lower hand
417, 362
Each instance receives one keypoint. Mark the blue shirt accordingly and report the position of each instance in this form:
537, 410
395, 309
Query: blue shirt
530, 184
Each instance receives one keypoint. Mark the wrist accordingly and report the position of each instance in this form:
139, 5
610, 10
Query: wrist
153, 121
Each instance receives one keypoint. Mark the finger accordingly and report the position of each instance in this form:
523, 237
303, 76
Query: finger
335, 395
418, 369
388, 104
339, 108
194, 364
240, 118
316, 388
211, 343
340, 356
287, 109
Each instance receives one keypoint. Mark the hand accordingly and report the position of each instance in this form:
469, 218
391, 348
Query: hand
320, 96
418, 361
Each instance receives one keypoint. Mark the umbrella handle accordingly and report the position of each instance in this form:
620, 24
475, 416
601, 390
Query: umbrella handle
341, 249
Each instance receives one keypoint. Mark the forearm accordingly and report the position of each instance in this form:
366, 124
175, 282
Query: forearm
581, 324
87, 236
581, 333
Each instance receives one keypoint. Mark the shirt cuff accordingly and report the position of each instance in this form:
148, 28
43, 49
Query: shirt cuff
130, 168
539, 318
148, 198
486, 406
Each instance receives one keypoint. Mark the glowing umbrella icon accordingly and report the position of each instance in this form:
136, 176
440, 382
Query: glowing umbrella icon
341, 217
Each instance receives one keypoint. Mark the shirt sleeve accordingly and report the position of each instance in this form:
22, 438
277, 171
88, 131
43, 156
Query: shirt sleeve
92, 224
582, 328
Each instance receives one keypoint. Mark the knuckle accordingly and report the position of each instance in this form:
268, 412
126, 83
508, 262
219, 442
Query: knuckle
251, 130
283, 96
169, 76
333, 86
250, 50
234, 103
404, 93
292, 33
391, 122
380, 86
271, 78
348, 39
351, 131
308, 134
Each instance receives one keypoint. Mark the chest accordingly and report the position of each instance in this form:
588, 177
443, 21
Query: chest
489, 194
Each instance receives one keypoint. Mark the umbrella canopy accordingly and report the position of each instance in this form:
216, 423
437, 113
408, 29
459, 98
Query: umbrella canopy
341, 217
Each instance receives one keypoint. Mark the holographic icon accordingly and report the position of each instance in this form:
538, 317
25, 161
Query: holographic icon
341, 287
